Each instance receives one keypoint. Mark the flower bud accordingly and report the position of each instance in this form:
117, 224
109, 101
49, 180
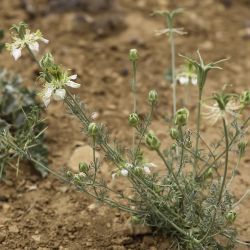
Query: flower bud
231, 216
135, 219
245, 98
133, 55
133, 119
77, 178
152, 141
242, 147
83, 167
47, 61
152, 97
93, 129
174, 133
69, 174
181, 117
209, 173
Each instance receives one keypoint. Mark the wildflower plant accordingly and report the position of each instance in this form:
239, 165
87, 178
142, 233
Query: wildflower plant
190, 201
20, 120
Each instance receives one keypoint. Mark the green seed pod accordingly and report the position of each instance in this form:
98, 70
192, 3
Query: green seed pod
83, 167
133, 55
133, 119
174, 133
242, 147
231, 216
152, 97
181, 117
152, 141
93, 129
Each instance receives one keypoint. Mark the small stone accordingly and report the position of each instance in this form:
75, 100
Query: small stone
36, 237
89, 244
92, 206
13, 229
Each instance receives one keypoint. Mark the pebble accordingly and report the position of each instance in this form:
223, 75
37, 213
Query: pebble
13, 229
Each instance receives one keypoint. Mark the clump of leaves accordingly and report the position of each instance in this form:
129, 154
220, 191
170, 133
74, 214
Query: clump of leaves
20, 117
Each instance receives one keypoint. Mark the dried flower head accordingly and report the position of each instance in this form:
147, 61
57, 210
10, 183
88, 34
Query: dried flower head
224, 106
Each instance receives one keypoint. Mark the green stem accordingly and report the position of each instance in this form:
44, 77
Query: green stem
134, 96
172, 43
198, 121
223, 179
172, 173
224, 151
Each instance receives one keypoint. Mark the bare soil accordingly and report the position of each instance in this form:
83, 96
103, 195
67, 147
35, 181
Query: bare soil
93, 39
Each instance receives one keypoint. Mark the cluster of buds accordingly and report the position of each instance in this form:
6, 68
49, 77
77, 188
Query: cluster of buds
152, 141
181, 117
22, 38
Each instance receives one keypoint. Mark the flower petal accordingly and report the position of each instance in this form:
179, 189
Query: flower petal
147, 170
59, 94
183, 80
124, 172
44, 40
48, 92
194, 80
46, 101
16, 53
34, 46
73, 84
73, 77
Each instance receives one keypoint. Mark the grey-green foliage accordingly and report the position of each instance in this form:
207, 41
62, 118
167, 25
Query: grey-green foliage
20, 116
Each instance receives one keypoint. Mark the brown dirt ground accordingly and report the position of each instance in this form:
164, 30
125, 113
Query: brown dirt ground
44, 213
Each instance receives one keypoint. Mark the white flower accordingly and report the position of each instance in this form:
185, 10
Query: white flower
16, 53
194, 80
147, 166
183, 79
56, 89
215, 113
147, 170
124, 172
94, 115
29, 39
